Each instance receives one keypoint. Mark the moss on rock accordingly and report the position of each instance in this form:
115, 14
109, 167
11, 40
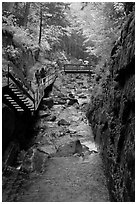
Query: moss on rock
112, 117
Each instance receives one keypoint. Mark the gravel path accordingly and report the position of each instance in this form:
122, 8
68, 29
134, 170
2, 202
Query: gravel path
69, 179
64, 177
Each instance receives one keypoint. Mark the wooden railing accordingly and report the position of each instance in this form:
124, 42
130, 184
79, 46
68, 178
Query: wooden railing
19, 85
18, 79
78, 68
18, 73
45, 82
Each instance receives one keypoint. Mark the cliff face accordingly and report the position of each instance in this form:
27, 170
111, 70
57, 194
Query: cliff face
112, 117
16, 50
24, 57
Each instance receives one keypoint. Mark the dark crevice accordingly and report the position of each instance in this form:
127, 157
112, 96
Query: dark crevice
123, 75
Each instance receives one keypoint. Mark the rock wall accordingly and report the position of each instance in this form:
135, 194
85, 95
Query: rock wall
15, 128
8, 125
22, 55
112, 117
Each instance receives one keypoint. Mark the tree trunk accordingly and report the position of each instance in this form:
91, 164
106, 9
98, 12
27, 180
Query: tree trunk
40, 26
7, 6
26, 13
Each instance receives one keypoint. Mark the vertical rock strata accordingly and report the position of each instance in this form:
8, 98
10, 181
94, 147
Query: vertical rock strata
112, 117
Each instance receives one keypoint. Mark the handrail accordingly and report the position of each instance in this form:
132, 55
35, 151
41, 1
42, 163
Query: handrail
78, 68
78, 64
21, 77
45, 82
52, 75
69, 66
36, 95
18, 84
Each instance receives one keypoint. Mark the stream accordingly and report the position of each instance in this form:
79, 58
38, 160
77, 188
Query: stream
64, 163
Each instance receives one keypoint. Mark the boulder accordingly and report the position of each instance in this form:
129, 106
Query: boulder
79, 91
80, 82
84, 87
82, 96
78, 77
72, 101
76, 105
70, 148
43, 114
48, 102
60, 101
71, 95
60, 95
63, 122
51, 118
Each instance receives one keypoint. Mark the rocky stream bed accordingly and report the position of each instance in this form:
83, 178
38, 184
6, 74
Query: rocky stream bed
63, 163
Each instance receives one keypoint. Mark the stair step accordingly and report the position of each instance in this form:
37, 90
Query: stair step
8, 97
11, 100
22, 98
26, 102
20, 110
19, 94
16, 105
18, 91
6, 94
30, 107
14, 88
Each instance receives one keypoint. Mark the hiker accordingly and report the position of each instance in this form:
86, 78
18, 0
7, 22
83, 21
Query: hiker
42, 74
37, 76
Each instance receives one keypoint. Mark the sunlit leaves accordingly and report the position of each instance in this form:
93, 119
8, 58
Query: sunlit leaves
100, 22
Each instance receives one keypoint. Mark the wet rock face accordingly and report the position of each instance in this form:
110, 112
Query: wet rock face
63, 122
48, 102
8, 125
112, 117
74, 147
27, 55
13, 128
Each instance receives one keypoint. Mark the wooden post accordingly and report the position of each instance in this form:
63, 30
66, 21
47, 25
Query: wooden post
34, 102
89, 71
8, 74
40, 26
64, 68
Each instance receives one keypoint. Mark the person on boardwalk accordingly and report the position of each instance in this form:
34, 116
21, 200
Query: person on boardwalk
42, 73
37, 76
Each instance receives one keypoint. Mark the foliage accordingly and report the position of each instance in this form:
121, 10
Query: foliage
84, 30
53, 21
12, 52
101, 24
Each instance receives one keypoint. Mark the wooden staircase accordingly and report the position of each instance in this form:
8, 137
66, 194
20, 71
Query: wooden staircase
19, 95
16, 97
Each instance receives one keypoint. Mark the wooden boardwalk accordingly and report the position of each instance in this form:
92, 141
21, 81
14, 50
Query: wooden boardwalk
22, 96
78, 68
